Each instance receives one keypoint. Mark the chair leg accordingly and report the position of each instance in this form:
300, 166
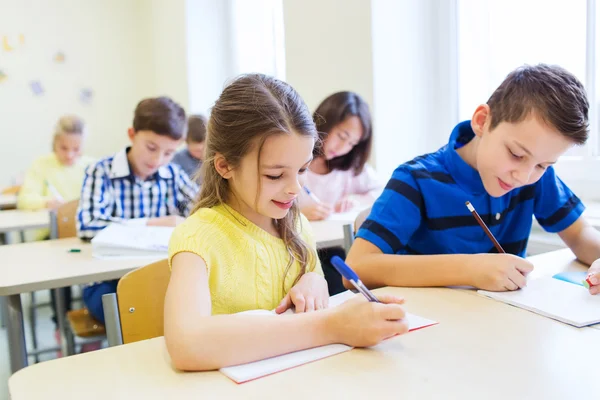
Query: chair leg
32, 326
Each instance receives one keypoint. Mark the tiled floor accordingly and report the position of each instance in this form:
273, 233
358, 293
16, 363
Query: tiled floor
45, 336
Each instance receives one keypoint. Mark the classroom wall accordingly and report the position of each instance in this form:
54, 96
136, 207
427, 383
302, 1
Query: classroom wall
106, 49
415, 96
209, 57
328, 48
166, 36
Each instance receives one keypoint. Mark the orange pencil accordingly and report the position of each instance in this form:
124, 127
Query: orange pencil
484, 227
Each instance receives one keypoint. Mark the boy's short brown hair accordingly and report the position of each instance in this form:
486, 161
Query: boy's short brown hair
555, 96
196, 128
160, 115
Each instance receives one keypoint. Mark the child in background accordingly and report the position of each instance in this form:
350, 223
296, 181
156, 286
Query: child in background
138, 183
55, 179
339, 177
246, 246
420, 233
190, 158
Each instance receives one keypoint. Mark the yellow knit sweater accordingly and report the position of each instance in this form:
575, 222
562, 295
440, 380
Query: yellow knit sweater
245, 264
47, 170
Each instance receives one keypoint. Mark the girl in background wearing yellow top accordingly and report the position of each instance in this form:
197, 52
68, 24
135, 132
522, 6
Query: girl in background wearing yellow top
246, 246
56, 178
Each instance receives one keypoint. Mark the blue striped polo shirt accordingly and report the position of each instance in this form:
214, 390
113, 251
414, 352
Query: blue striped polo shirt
422, 209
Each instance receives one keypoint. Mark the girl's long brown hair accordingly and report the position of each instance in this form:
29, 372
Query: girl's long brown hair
252, 108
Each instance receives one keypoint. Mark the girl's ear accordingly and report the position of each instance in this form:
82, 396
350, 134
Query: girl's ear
222, 166
481, 119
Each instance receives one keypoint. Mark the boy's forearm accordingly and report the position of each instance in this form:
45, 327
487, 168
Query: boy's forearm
376, 270
587, 248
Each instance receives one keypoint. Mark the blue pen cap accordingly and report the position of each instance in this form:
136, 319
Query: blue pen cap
344, 269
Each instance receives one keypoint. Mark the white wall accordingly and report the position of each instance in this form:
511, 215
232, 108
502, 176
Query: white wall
208, 55
414, 85
226, 38
166, 29
328, 48
105, 51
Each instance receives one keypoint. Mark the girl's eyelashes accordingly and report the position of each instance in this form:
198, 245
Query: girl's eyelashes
273, 177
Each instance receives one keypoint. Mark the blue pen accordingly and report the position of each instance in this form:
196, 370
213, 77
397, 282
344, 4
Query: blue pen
312, 195
347, 272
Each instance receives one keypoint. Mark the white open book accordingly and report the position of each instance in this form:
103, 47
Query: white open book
127, 240
257, 369
554, 298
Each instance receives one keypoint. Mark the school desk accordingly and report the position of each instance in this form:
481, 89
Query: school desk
329, 233
47, 264
8, 201
19, 220
27, 267
480, 349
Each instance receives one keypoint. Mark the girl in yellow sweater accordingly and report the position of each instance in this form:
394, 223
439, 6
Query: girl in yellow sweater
246, 246
57, 177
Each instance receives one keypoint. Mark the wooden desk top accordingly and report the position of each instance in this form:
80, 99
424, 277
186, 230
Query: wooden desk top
47, 264
26, 267
329, 233
8, 201
480, 349
16, 220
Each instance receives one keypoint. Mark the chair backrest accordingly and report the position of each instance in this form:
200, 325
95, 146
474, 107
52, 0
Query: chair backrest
141, 297
351, 229
11, 190
361, 218
62, 221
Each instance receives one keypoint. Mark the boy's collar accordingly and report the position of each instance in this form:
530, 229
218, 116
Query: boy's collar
465, 176
120, 167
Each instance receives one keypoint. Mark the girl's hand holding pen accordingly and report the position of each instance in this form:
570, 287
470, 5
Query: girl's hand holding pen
361, 323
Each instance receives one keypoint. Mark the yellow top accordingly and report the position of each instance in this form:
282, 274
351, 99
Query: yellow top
47, 171
245, 264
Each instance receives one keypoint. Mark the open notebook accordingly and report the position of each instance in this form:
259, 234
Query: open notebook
257, 369
554, 298
127, 240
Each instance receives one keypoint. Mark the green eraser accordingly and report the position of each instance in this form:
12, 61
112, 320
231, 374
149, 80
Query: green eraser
587, 283
74, 250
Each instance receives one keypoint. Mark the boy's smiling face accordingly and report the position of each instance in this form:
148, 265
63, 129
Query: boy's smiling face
514, 154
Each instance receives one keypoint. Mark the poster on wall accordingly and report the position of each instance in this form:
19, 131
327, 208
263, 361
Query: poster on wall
36, 88
59, 57
85, 96
9, 44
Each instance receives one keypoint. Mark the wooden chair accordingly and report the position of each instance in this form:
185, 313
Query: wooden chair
62, 221
62, 225
11, 189
351, 229
136, 311
81, 324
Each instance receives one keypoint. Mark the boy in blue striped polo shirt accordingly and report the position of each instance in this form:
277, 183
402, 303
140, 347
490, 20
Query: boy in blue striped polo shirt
137, 184
420, 233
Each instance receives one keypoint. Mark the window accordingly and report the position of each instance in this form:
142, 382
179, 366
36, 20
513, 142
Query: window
258, 37
496, 36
